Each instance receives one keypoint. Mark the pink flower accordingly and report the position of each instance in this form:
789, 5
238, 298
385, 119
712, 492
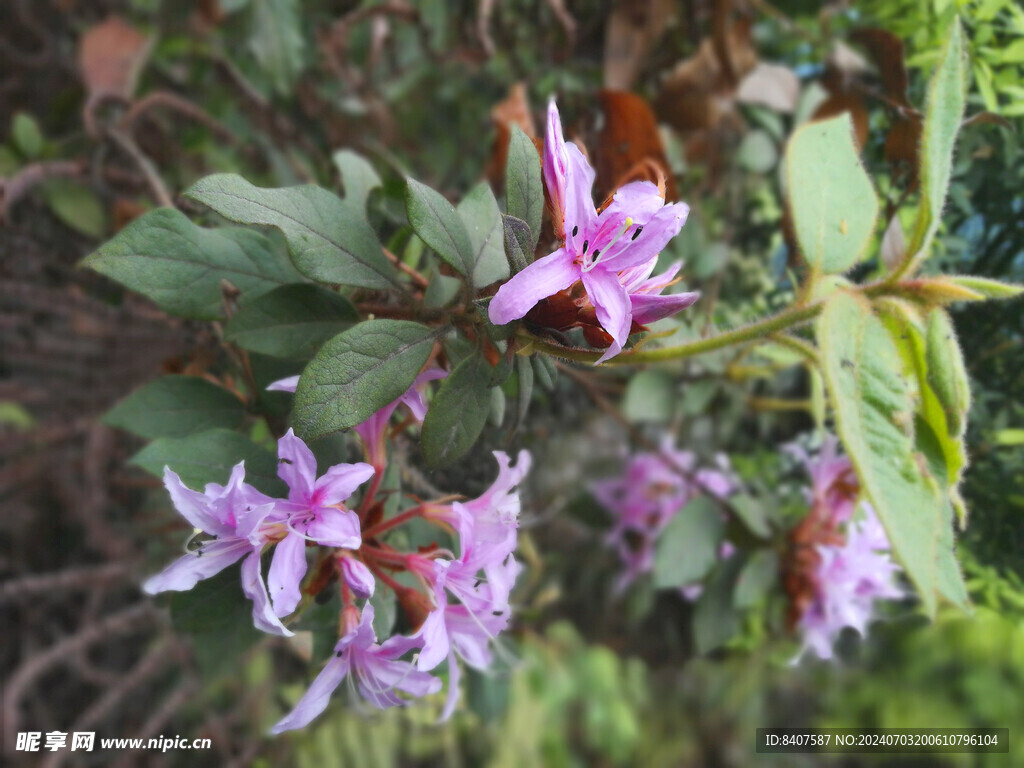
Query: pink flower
849, 579
643, 500
376, 670
314, 512
611, 253
242, 521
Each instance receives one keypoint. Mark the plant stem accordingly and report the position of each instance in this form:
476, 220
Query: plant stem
386, 525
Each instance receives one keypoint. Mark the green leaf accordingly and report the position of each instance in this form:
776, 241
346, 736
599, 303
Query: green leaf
358, 178
688, 547
207, 457
944, 109
180, 266
357, 373
329, 241
758, 578
441, 290
947, 373
458, 412
438, 224
752, 513
176, 406
517, 239
715, 619
523, 189
990, 289
479, 212
291, 321
217, 616
547, 373
650, 396
276, 41
77, 206
829, 194
26, 135
874, 416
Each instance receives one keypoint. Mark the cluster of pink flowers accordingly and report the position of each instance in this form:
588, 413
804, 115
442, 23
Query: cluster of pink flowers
605, 260
459, 607
841, 562
644, 499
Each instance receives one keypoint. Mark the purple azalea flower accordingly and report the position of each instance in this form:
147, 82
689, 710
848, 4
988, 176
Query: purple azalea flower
242, 521
848, 580
834, 484
376, 670
645, 498
612, 253
314, 512
454, 630
357, 576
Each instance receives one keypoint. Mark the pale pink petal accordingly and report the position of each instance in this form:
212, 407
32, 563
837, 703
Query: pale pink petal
296, 466
648, 308
339, 482
632, 249
612, 304
289, 384
315, 700
335, 528
287, 568
194, 506
263, 616
542, 278
205, 561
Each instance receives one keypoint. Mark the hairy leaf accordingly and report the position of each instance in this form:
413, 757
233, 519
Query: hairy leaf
176, 406
458, 412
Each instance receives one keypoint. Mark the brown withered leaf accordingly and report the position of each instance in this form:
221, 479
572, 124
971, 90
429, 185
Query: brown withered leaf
514, 109
886, 51
633, 29
772, 86
111, 55
629, 146
902, 145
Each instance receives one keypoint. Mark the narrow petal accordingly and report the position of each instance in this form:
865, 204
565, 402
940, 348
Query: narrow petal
555, 165
454, 678
194, 506
612, 304
648, 308
287, 568
655, 284
296, 466
544, 277
436, 644
633, 278
580, 214
206, 561
339, 482
413, 399
315, 700
263, 616
336, 528
288, 384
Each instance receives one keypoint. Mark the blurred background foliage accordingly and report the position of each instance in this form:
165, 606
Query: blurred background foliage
111, 107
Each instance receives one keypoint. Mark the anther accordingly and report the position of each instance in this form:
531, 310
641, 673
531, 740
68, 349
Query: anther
575, 231
594, 256
586, 244
637, 233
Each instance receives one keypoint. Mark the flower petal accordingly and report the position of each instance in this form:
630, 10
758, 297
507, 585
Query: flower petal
648, 308
543, 278
194, 506
454, 677
315, 700
339, 482
263, 617
580, 214
660, 228
611, 301
555, 165
296, 466
288, 384
287, 568
336, 528
206, 561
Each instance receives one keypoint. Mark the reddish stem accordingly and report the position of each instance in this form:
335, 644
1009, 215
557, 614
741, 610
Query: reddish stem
393, 522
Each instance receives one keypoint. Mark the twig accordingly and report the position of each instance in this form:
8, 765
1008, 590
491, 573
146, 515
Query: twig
156, 184
167, 709
178, 104
32, 175
71, 580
